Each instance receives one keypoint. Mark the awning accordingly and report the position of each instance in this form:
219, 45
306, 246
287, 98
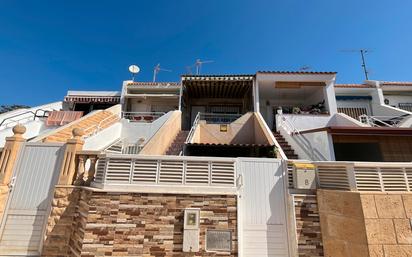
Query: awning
353, 97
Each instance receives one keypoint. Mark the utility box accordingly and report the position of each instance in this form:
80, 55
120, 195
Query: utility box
304, 176
191, 228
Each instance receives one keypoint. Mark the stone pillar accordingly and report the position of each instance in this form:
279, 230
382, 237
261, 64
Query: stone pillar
10, 153
68, 169
7, 162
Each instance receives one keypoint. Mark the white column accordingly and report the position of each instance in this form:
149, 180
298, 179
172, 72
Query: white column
256, 96
330, 97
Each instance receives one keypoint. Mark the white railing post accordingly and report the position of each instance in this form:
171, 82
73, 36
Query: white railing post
158, 162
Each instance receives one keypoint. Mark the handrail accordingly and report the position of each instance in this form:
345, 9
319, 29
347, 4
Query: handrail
378, 121
95, 128
192, 130
35, 115
307, 147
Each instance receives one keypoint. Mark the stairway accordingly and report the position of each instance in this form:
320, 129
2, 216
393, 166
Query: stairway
88, 123
177, 145
287, 149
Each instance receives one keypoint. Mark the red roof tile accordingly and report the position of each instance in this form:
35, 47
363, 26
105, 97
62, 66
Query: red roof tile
353, 86
298, 72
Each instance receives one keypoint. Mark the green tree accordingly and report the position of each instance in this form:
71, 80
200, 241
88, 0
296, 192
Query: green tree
12, 107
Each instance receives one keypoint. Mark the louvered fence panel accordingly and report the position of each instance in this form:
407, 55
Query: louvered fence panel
223, 173
333, 177
197, 172
118, 170
367, 178
171, 172
290, 174
408, 173
100, 170
394, 179
144, 171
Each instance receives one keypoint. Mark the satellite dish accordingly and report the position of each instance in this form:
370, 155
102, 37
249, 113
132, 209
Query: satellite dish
134, 69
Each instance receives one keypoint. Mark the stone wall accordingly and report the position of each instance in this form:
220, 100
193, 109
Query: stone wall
95, 223
60, 223
366, 224
342, 224
388, 224
308, 229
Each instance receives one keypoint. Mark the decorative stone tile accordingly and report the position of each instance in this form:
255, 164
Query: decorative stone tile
308, 226
380, 231
389, 206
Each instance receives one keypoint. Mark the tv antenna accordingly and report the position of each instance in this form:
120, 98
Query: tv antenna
156, 70
362, 52
134, 69
305, 68
198, 65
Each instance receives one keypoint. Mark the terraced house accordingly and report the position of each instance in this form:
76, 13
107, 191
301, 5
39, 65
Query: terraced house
276, 163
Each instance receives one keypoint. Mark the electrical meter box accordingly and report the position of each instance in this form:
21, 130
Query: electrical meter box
191, 229
304, 176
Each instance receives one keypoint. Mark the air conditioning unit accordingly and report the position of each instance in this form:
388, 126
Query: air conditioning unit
304, 176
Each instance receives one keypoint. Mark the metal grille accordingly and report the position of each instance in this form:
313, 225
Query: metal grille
406, 106
353, 112
219, 240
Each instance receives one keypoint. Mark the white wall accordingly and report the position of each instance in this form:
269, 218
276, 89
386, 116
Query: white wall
104, 138
379, 108
394, 100
305, 122
33, 129
129, 132
317, 146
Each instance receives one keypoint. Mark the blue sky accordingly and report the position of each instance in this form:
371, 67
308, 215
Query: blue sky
48, 47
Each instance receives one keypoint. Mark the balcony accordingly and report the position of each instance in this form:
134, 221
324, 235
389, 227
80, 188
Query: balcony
147, 117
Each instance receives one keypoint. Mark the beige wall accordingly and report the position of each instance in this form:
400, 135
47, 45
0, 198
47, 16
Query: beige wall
342, 224
245, 130
4, 194
366, 224
161, 141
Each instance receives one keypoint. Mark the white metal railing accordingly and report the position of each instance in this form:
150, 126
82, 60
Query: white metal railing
288, 125
192, 130
405, 106
142, 116
381, 121
165, 170
96, 128
362, 176
24, 116
353, 112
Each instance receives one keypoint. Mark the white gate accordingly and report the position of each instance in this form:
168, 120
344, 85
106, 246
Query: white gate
28, 206
262, 209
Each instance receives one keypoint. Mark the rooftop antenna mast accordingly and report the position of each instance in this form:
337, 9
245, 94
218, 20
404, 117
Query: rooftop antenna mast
156, 70
362, 52
198, 65
134, 69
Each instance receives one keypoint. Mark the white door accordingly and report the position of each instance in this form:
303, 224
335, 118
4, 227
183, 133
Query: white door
28, 206
262, 209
